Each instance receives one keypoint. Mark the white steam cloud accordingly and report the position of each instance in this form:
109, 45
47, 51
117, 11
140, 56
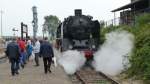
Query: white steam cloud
110, 59
72, 60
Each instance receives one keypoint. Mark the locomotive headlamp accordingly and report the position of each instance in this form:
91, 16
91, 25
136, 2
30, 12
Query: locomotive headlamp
70, 46
93, 46
91, 36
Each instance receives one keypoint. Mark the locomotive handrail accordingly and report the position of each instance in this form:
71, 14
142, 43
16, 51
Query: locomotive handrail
62, 33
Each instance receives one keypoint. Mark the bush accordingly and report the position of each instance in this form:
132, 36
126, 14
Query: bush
143, 19
140, 57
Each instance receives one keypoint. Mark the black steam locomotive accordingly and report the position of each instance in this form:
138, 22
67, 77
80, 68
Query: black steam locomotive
79, 32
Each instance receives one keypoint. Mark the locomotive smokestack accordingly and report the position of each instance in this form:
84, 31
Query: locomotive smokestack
78, 12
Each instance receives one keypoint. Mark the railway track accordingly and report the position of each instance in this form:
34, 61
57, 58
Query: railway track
87, 75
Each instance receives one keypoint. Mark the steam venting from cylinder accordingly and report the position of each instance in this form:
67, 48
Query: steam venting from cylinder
113, 56
78, 12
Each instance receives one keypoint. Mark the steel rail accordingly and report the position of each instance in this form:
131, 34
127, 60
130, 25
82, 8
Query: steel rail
81, 79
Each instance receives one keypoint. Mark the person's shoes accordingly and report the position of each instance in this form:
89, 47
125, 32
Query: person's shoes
22, 65
45, 72
17, 72
13, 74
36, 65
49, 71
25, 62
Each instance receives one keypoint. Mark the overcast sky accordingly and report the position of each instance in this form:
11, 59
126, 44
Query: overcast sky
17, 11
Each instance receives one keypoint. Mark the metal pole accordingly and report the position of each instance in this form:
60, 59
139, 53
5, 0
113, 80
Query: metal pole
14, 30
1, 23
21, 30
114, 18
62, 33
43, 33
26, 31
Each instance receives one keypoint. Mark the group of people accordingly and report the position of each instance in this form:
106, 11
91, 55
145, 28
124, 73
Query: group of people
19, 52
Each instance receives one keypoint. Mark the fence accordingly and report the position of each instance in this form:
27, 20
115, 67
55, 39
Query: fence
128, 17
112, 22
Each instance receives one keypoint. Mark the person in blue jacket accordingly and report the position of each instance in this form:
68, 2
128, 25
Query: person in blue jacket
13, 53
46, 51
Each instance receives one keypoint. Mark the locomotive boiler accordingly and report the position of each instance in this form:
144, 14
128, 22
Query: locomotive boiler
79, 32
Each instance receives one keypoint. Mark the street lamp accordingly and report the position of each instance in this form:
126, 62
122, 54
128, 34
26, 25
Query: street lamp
14, 30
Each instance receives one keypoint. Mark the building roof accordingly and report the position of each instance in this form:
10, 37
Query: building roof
130, 5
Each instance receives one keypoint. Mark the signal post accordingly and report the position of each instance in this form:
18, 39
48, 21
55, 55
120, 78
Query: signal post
24, 30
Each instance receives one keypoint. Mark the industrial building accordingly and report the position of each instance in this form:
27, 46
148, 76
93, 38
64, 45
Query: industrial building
130, 11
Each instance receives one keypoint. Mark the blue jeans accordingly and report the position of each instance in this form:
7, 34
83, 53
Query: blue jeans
14, 65
23, 58
28, 55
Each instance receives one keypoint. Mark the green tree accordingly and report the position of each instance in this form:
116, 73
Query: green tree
50, 25
102, 23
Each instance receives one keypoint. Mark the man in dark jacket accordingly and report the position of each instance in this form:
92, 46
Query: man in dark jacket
13, 53
46, 52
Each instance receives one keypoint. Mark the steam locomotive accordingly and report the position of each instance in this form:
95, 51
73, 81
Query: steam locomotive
79, 32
